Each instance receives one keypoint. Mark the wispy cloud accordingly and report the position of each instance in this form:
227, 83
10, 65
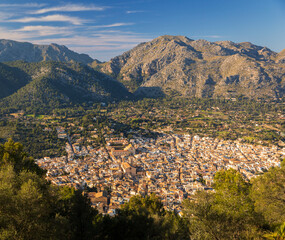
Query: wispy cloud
69, 8
134, 11
47, 23
5, 15
113, 25
51, 18
25, 5
6, 33
99, 41
46, 30
102, 44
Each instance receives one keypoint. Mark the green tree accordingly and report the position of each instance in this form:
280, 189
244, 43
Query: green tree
75, 213
142, 218
279, 233
11, 153
31, 208
268, 193
26, 206
227, 213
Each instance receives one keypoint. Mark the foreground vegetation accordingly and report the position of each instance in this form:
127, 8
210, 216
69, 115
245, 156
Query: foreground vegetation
32, 208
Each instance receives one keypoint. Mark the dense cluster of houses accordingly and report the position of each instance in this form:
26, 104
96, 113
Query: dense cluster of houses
172, 166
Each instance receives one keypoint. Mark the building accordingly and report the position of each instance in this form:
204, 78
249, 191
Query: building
128, 169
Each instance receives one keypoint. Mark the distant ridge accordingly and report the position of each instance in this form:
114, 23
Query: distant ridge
12, 51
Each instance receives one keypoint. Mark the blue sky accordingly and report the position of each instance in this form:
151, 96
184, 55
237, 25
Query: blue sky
106, 28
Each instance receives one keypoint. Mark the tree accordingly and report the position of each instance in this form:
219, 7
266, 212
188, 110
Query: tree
202, 219
268, 193
26, 206
75, 213
142, 218
11, 153
279, 233
32, 208
227, 213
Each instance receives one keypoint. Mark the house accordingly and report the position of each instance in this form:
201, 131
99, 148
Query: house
96, 198
130, 149
128, 169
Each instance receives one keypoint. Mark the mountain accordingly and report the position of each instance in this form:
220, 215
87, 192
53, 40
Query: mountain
54, 84
13, 51
179, 65
11, 79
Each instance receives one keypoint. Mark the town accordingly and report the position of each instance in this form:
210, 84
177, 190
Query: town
171, 148
172, 166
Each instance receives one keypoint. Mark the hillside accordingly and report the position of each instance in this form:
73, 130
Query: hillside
11, 79
177, 64
54, 84
13, 51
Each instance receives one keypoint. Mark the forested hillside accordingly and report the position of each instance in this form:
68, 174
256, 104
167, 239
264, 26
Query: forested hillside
46, 85
11, 79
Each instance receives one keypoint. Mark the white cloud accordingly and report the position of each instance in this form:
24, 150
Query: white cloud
135, 11
5, 15
25, 5
14, 35
98, 41
69, 8
46, 30
114, 25
101, 42
51, 18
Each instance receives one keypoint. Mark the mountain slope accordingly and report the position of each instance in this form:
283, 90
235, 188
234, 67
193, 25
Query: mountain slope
55, 84
199, 68
11, 79
13, 51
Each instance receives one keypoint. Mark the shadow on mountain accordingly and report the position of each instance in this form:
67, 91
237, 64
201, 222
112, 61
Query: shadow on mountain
151, 92
12, 79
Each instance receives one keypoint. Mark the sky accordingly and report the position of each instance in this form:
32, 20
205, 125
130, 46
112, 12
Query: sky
106, 28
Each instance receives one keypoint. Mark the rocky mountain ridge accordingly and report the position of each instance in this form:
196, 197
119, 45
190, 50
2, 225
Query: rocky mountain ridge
13, 51
167, 65
199, 68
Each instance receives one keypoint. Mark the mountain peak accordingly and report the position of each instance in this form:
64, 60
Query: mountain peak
171, 37
13, 50
199, 68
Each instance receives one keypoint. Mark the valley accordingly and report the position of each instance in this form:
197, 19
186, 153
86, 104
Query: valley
177, 124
